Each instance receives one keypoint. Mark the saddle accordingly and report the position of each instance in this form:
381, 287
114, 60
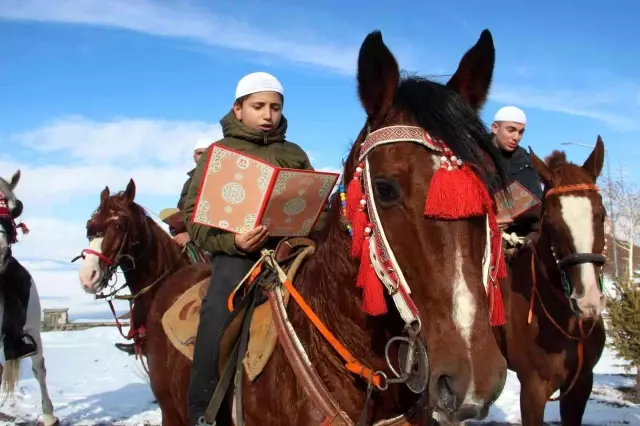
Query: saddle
180, 321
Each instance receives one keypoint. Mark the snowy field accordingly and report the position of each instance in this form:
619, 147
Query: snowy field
93, 383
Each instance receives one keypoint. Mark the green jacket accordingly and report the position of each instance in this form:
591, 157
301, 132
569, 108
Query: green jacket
271, 147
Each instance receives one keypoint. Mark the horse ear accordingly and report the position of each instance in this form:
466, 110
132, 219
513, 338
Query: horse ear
104, 194
541, 167
593, 164
130, 192
473, 77
378, 76
14, 180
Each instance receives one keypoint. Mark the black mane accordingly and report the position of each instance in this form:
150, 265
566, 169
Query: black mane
446, 116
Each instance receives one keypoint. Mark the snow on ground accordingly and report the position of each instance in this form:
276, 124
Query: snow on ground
91, 383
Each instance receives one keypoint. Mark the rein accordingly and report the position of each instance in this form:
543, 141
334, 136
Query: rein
570, 260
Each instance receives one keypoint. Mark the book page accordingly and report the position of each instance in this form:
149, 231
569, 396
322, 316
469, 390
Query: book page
233, 192
523, 201
296, 201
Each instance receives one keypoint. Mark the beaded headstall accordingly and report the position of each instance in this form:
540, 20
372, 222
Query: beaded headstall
455, 192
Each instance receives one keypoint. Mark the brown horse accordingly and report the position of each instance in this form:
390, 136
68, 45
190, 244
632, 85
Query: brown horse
423, 152
555, 334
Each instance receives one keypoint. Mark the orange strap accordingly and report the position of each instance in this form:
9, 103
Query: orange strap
351, 363
572, 188
254, 274
580, 340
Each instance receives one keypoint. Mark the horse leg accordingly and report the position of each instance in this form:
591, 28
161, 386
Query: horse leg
37, 361
171, 417
572, 405
40, 373
533, 399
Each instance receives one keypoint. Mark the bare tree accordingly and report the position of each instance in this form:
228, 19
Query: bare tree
625, 197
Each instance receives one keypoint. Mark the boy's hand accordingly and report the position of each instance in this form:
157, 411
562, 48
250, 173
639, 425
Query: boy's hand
252, 240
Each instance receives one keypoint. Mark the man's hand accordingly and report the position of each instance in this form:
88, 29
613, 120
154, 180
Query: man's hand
252, 240
182, 239
504, 224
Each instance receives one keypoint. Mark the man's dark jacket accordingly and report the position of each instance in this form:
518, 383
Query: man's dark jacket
518, 167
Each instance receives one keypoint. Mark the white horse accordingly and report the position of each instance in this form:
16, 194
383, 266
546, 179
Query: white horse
11, 370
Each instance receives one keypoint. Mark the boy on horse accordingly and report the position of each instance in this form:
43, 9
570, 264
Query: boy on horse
508, 128
255, 125
15, 287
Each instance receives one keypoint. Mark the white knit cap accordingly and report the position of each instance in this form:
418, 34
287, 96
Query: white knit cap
258, 82
202, 144
511, 113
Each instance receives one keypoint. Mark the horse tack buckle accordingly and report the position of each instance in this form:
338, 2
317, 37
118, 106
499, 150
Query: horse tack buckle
203, 422
412, 360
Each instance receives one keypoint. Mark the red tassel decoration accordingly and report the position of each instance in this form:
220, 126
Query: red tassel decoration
356, 213
498, 315
373, 302
454, 192
497, 255
354, 194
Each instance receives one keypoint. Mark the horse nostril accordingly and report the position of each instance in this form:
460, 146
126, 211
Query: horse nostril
94, 273
446, 393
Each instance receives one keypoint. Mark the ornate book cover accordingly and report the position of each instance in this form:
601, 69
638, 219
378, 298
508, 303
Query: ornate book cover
523, 201
239, 192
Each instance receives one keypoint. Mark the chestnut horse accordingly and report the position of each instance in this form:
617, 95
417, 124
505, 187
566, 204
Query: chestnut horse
555, 334
416, 220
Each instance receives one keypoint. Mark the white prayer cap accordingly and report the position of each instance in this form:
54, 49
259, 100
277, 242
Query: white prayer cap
511, 113
258, 82
202, 144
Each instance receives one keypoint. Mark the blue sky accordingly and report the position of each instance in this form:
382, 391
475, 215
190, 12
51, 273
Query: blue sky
94, 92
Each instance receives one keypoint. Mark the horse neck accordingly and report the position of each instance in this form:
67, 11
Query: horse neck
157, 255
328, 284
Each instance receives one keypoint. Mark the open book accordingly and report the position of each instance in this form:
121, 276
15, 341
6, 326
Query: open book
522, 202
239, 192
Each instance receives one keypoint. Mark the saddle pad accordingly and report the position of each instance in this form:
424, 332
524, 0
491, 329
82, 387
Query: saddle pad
180, 321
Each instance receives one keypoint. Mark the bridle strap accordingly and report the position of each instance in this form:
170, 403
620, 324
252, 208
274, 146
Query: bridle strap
572, 188
579, 258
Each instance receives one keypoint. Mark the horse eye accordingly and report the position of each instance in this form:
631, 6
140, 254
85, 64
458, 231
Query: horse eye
386, 189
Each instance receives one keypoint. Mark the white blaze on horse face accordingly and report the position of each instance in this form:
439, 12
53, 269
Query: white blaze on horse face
90, 272
577, 214
464, 304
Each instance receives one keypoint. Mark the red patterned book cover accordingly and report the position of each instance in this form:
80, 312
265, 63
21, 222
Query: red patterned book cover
239, 192
523, 201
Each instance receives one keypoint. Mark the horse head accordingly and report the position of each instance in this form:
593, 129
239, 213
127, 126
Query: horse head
422, 217
118, 231
10, 209
573, 226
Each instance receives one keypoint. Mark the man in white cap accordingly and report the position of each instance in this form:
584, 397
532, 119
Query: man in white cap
508, 127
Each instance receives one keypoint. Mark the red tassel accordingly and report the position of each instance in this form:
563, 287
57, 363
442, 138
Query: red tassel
373, 302
455, 194
354, 195
356, 214
497, 254
498, 316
